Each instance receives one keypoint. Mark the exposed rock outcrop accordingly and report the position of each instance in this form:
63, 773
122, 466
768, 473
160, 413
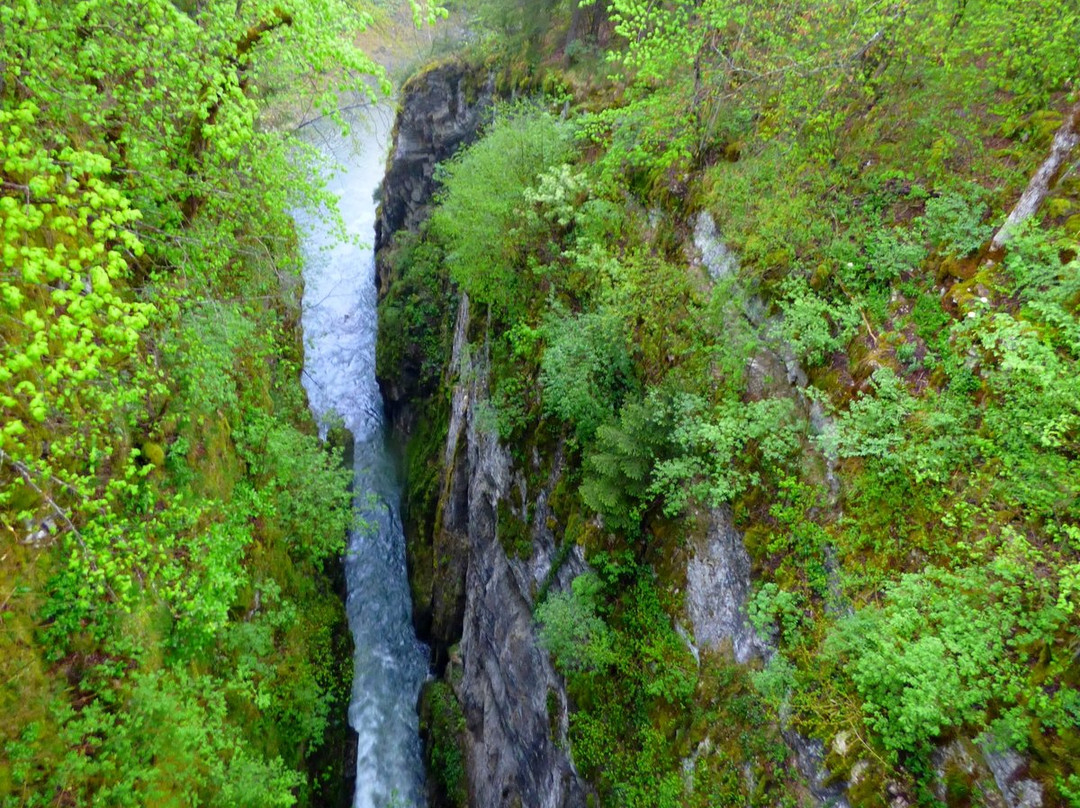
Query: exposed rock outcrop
478, 611
717, 587
441, 110
1009, 769
515, 750
718, 584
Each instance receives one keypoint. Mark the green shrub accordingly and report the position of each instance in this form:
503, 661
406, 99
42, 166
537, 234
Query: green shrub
570, 629
889, 255
943, 646
720, 452
619, 468
444, 723
813, 326
303, 487
954, 224
585, 369
164, 739
479, 216
414, 341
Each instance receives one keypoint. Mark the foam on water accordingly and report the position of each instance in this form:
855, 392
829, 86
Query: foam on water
339, 322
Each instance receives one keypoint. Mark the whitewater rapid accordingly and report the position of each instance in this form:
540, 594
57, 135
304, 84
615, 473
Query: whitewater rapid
339, 322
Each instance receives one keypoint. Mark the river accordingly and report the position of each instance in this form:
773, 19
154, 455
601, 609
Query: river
339, 321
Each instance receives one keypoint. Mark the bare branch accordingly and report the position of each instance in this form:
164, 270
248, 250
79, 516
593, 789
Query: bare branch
1066, 139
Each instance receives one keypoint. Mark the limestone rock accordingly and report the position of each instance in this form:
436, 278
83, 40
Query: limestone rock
717, 587
441, 110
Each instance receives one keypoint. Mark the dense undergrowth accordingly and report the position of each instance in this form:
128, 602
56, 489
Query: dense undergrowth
170, 631
857, 158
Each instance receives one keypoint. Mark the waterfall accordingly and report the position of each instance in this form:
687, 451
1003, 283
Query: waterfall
339, 321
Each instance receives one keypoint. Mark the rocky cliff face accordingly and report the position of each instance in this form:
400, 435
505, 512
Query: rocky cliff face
489, 543
514, 702
481, 605
719, 583
441, 110
474, 602
717, 587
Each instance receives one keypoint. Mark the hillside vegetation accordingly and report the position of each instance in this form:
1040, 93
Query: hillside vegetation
910, 512
170, 633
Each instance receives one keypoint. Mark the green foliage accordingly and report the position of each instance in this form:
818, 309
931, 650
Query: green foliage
954, 225
801, 65
944, 645
570, 629
444, 724
479, 216
670, 449
203, 356
637, 689
613, 735
585, 369
976, 477
619, 470
720, 451
514, 26
773, 606
301, 485
413, 339
159, 485
160, 738
812, 326
555, 199
916, 561
889, 255
902, 440
69, 331
873, 425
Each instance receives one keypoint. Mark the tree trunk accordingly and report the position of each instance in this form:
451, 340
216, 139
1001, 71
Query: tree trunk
1065, 140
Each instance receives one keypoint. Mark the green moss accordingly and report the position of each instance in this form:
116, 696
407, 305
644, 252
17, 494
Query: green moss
423, 499
154, 453
20, 497
442, 723
1057, 207
553, 713
513, 532
1044, 124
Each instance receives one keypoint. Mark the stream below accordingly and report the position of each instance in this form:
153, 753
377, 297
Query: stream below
339, 322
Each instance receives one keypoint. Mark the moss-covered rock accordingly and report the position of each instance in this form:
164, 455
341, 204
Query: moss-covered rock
442, 727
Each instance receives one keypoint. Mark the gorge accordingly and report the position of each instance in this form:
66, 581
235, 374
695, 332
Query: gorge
339, 322
668, 405
487, 548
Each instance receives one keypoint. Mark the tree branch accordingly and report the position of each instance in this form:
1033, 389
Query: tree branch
197, 141
1065, 140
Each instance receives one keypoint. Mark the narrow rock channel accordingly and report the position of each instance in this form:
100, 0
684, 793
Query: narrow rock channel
339, 321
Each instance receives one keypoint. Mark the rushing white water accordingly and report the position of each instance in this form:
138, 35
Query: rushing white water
339, 374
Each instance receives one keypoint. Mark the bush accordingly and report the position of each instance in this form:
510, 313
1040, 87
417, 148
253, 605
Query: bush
943, 646
618, 470
812, 325
302, 486
479, 216
572, 631
720, 452
954, 225
586, 370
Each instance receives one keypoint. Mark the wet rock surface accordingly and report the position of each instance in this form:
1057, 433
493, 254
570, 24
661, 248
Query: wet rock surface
1009, 769
477, 612
441, 110
717, 588
507, 684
